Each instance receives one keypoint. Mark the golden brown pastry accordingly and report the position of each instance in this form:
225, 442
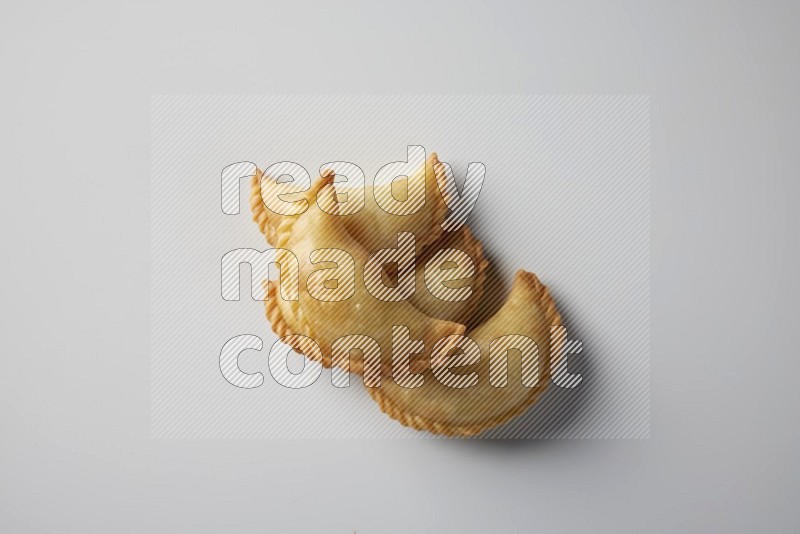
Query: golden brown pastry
372, 227
529, 311
334, 301
352, 314
462, 290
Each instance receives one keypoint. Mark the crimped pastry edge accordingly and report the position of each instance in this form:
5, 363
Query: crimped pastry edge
422, 423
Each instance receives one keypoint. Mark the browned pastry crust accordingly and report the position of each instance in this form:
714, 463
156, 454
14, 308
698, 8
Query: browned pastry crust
304, 324
361, 313
529, 290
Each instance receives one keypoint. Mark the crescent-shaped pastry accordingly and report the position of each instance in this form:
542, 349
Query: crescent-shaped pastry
451, 301
372, 226
329, 308
454, 409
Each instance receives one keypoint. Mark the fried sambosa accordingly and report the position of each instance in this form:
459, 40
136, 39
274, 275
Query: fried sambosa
475, 399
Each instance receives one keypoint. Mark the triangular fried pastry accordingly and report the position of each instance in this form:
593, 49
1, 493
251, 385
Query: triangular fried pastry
319, 241
372, 226
462, 411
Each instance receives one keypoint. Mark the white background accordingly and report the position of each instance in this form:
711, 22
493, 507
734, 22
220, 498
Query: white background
74, 395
